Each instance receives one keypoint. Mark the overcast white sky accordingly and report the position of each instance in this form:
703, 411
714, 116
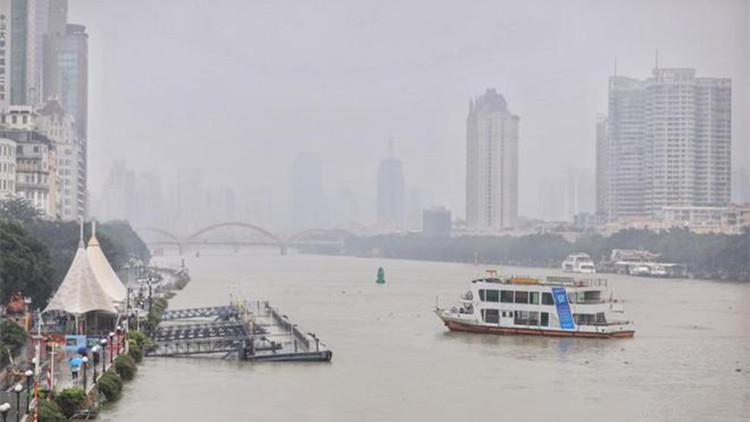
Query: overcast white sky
238, 88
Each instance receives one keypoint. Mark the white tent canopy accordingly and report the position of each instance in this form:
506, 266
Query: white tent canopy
80, 291
104, 273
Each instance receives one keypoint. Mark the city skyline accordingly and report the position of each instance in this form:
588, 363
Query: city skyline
320, 93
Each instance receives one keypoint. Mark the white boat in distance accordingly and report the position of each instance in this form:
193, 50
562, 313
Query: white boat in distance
551, 306
579, 263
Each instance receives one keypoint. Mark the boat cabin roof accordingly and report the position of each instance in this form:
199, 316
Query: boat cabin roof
547, 281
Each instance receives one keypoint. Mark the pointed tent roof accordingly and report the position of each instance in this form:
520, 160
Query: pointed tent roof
80, 291
104, 272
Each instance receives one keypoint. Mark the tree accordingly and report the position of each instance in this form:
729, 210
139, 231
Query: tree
19, 210
24, 266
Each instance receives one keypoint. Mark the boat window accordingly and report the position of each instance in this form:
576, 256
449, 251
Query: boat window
534, 298
492, 296
534, 318
545, 319
547, 299
491, 316
506, 296
521, 318
481, 295
522, 297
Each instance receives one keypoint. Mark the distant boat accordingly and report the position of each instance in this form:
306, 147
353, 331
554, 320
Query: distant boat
579, 263
381, 276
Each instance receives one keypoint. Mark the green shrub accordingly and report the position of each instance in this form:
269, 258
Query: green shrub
12, 335
140, 338
49, 411
4, 355
135, 352
110, 385
70, 400
125, 367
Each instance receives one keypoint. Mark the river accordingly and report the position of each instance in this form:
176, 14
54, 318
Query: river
394, 360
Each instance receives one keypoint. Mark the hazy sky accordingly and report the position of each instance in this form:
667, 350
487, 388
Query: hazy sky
239, 88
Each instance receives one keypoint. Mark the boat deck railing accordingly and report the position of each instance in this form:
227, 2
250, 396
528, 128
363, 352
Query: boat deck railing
547, 281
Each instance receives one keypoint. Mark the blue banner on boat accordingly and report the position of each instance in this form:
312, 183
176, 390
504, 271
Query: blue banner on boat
563, 309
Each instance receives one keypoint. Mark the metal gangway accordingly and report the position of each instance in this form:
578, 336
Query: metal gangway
202, 338
219, 313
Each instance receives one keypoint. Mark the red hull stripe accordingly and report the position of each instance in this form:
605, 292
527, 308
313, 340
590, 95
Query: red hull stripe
457, 326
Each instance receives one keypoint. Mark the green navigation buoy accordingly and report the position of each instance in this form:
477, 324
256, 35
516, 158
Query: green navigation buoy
381, 276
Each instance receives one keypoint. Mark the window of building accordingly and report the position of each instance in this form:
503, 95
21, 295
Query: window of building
547, 299
522, 297
491, 316
506, 296
534, 298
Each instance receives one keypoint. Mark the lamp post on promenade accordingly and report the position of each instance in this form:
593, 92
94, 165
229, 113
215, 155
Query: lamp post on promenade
28, 374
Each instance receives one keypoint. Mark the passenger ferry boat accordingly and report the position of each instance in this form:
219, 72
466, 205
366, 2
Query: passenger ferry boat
551, 306
579, 263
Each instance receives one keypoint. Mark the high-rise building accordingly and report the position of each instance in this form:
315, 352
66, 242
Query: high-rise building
345, 208
28, 26
741, 181
415, 205
5, 54
390, 202
580, 193
668, 143
66, 72
117, 201
308, 197
491, 164
35, 159
58, 125
436, 222
552, 204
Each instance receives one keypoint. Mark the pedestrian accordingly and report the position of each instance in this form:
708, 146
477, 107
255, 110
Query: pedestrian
75, 366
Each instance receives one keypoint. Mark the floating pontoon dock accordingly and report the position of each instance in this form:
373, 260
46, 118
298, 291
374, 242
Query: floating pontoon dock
248, 330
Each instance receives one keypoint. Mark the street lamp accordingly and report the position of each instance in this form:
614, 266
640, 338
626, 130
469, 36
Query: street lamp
85, 365
103, 342
29, 373
150, 294
4, 408
119, 332
111, 346
17, 389
95, 356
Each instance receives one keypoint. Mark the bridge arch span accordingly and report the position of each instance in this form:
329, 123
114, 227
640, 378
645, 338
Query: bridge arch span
253, 227
162, 232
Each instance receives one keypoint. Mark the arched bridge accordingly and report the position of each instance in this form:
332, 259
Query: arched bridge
263, 237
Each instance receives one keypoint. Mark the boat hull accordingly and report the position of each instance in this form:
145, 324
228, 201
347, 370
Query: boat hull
473, 328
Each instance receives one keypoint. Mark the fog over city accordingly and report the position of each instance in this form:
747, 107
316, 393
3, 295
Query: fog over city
360, 210
239, 89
